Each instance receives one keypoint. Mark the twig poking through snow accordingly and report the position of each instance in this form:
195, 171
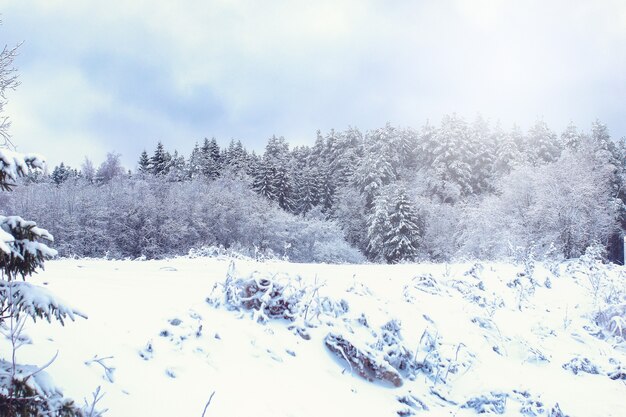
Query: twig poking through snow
208, 403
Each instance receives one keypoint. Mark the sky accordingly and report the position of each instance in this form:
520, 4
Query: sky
121, 75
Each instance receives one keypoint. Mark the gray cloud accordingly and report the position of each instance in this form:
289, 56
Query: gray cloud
121, 75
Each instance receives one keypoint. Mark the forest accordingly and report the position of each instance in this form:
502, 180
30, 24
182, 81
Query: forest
447, 191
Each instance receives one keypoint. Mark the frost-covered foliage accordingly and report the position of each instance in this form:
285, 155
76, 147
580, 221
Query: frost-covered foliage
25, 390
577, 365
267, 296
152, 217
493, 403
14, 165
566, 205
445, 192
21, 246
34, 301
36, 395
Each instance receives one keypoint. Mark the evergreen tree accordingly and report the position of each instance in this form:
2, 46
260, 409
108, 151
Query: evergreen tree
210, 159
61, 173
404, 237
483, 153
544, 146
272, 178
160, 161
143, 166
506, 153
451, 158
236, 157
377, 168
264, 179
25, 390
178, 168
194, 167
571, 137
378, 229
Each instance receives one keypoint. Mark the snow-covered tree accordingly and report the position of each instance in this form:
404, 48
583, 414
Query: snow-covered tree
25, 390
194, 167
543, 145
452, 155
404, 237
88, 171
160, 160
571, 137
482, 142
378, 229
507, 153
110, 168
61, 173
143, 165
210, 159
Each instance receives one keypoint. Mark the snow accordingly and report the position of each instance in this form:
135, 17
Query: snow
158, 348
14, 164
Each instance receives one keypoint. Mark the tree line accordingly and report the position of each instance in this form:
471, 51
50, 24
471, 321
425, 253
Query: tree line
456, 189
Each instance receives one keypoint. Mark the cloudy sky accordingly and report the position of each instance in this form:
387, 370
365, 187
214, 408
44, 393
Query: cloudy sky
119, 75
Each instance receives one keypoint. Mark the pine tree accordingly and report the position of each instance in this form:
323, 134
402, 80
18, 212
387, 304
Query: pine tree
160, 161
483, 151
452, 156
210, 159
61, 173
24, 390
403, 240
272, 178
264, 179
194, 167
571, 137
143, 166
378, 229
506, 153
543, 146
377, 167
178, 168
236, 157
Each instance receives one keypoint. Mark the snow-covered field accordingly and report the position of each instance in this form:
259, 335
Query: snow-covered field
472, 338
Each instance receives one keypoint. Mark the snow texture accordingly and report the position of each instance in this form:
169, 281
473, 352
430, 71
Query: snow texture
396, 340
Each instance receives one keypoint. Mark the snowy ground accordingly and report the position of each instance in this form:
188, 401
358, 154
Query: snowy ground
472, 334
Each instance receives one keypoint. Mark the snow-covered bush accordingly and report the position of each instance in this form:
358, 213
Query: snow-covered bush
613, 320
277, 296
492, 403
268, 296
577, 365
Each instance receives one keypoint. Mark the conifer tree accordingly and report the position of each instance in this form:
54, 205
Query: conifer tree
378, 229
403, 239
160, 161
143, 166
61, 173
25, 390
194, 167
571, 137
210, 159
543, 145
